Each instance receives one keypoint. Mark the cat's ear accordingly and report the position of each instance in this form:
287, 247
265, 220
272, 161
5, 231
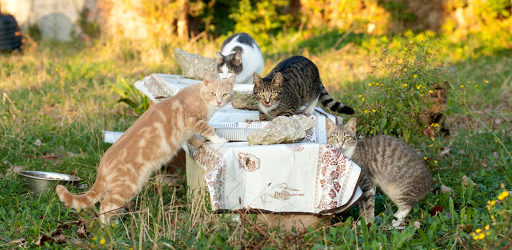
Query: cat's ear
329, 125
351, 124
256, 79
278, 79
237, 58
219, 58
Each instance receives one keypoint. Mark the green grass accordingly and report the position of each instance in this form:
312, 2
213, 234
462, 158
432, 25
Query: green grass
61, 95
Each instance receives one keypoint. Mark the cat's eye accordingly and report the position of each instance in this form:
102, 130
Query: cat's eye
219, 71
231, 71
212, 93
347, 137
225, 94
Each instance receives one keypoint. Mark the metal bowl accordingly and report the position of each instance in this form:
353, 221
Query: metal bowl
39, 182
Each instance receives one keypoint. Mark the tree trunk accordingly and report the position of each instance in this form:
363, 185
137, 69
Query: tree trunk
183, 19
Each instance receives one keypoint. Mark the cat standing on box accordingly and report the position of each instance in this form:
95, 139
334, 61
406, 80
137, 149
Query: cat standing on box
240, 55
153, 140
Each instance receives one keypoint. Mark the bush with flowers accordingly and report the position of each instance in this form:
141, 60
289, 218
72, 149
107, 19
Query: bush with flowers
495, 232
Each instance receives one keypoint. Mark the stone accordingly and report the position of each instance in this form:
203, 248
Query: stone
282, 129
192, 65
244, 101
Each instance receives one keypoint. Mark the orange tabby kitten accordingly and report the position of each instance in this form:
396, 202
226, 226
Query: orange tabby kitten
154, 139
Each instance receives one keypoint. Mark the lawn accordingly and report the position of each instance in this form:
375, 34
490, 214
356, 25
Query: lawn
57, 98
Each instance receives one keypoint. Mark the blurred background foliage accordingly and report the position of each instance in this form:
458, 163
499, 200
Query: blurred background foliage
291, 26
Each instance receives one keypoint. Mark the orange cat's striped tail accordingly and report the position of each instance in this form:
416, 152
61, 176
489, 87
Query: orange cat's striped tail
84, 200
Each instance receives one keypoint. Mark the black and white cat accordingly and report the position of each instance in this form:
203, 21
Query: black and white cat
239, 55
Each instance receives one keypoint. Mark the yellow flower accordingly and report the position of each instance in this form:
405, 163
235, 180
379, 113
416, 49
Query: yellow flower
475, 237
431, 145
373, 110
410, 41
492, 203
94, 238
505, 194
488, 207
492, 217
502, 185
481, 236
478, 230
469, 81
487, 233
377, 84
434, 125
487, 227
462, 85
430, 91
78, 210
424, 158
404, 85
369, 84
103, 241
435, 162
486, 81
415, 76
360, 96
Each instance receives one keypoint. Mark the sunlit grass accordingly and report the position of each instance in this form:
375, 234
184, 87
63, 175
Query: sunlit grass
60, 95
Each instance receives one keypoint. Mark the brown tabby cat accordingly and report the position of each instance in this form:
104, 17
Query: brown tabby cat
154, 139
293, 84
386, 162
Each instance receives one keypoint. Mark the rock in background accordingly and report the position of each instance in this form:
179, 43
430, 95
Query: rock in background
56, 19
192, 65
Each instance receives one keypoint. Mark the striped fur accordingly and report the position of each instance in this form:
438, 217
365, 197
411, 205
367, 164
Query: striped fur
386, 162
293, 87
153, 140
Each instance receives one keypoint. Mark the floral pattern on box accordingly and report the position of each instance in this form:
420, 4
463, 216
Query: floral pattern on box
332, 170
212, 160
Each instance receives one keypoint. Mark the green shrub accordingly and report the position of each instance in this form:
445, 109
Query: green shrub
135, 99
398, 93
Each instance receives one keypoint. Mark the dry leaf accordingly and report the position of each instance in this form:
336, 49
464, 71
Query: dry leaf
13, 170
417, 224
465, 181
38, 143
445, 151
435, 210
428, 131
445, 189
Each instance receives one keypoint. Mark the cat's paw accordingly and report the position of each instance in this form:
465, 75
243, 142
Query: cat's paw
218, 140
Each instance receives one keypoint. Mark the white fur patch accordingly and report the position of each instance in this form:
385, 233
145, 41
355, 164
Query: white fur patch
224, 72
266, 110
252, 60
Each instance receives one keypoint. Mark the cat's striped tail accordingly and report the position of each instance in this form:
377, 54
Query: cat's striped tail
335, 106
84, 200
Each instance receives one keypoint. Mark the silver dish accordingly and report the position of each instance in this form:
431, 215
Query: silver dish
39, 181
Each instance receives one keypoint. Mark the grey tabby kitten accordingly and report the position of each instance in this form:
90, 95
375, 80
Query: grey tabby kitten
386, 162
292, 85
